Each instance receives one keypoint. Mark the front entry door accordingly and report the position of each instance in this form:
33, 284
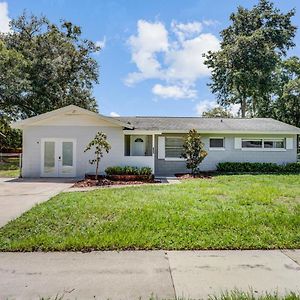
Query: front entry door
138, 145
58, 158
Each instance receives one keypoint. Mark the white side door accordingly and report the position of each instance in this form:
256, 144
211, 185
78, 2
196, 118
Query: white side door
58, 157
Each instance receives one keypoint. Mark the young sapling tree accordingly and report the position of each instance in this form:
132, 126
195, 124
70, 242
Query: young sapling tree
100, 144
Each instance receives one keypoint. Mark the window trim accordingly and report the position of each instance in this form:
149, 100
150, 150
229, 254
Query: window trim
216, 148
168, 158
262, 148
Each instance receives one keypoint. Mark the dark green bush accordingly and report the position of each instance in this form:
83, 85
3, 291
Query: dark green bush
292, 168
247, 167
128, 170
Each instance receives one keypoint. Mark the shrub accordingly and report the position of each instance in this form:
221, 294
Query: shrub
247, 167
292, 168
128, 170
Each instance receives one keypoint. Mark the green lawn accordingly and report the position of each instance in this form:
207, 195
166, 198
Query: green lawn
239, 295
9, 167
230, 295
225, 212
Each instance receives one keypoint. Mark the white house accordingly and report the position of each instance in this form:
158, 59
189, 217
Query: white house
54, 142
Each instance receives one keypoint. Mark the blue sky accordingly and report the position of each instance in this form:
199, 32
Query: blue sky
151, 61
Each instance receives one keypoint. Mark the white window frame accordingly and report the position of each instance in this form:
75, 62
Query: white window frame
173, 158
216, 148
262, 148
275, 140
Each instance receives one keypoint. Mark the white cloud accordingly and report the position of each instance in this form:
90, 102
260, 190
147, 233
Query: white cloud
187, 64
205, 105
114, 114
101, 43
4, 18
210, 22
175, 60
186, 30
150, 39
174, 91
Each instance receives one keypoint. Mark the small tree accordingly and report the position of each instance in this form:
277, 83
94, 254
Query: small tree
193, 151
101, 144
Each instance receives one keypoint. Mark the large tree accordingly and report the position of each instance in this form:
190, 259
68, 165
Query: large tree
251, 48
287, 103
10, 139
44, 66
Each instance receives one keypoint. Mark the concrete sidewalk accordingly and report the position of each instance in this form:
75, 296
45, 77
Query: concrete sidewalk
140, 274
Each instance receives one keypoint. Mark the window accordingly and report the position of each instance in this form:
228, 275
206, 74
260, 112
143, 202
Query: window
274, 144
252, 143
263, 143
216, 143
174, 147
139, 140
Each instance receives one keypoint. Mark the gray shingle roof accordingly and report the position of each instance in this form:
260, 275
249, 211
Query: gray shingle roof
210, 124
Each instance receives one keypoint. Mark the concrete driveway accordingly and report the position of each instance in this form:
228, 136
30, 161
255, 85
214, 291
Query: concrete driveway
19, 195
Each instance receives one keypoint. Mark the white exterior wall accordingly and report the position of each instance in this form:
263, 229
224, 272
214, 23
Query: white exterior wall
32, 156
228, 154
231, 154
83, 128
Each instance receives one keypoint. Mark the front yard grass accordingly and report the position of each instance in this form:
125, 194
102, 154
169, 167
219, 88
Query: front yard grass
9, 167
239, 295
225, 212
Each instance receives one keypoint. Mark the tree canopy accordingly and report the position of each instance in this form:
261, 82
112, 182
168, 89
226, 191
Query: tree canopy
217, 112
252, 47
287, 103
44, 66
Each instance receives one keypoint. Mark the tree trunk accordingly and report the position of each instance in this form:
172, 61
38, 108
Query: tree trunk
97, 167
243, 107
253, 106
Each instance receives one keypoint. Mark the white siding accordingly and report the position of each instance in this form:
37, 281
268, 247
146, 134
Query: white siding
83, 134
231, 154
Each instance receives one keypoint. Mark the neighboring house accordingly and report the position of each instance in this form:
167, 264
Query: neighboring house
54, 142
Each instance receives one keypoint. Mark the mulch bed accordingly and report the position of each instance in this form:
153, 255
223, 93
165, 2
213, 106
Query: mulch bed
106, 182
190, 176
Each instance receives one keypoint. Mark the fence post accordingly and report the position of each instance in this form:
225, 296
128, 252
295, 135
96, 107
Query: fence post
20, 164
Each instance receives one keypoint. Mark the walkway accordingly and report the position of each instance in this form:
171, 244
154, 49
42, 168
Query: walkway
134, 274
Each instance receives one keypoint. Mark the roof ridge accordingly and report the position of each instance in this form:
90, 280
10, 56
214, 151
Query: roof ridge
191, 117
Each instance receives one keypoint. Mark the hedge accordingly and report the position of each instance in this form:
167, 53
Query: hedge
128, 170
247, 167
